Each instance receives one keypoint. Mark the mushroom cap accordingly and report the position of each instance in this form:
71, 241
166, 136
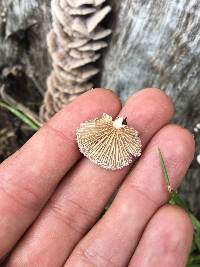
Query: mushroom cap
110, 144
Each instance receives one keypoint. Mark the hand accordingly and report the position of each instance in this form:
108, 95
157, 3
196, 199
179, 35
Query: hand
51, 198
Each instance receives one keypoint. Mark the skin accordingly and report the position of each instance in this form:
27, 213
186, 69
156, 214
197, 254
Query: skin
51, 197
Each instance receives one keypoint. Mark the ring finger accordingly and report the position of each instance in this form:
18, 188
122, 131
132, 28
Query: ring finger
166, 241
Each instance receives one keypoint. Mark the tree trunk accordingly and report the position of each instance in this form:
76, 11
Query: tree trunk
24, 63
155, 43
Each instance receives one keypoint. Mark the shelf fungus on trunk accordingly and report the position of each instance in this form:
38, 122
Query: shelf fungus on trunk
74, 43
110, 144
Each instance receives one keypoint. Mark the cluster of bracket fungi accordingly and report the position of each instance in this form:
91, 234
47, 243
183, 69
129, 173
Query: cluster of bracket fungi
74, 43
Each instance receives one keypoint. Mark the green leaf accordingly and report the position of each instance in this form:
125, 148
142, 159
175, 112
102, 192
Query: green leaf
179, 201
194, 247
195, 222
197, 240
194, 259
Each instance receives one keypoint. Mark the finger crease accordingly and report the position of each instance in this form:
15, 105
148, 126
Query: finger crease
59, 133
26, 203
145, 194
92, 257
73, 218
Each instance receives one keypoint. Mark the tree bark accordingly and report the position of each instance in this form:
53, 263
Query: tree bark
23, 28
24, 63
155, 43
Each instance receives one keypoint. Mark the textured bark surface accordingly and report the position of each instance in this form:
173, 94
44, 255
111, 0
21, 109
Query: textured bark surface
23, 32
157, 44
154, 43
24, 63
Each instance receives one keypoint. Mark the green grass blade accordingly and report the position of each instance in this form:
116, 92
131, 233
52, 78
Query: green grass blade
177, 200
164, 169
23, 117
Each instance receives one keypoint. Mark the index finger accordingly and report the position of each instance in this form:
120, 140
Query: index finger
30, 176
